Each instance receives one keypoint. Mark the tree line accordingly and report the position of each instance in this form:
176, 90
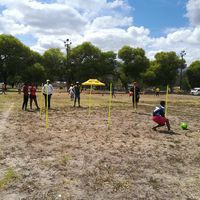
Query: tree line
18, 63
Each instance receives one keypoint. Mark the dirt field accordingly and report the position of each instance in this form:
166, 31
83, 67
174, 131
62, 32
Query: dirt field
78, 158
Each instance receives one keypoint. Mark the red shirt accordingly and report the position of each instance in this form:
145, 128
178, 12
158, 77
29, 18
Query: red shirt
33, 91
25, 90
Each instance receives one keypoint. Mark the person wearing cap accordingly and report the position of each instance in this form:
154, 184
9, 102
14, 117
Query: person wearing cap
48, 91
77, 94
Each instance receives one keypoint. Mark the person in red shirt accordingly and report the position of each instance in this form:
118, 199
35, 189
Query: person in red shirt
25, 100
33, 97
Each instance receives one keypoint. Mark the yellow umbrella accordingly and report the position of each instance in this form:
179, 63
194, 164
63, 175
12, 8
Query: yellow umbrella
94, 82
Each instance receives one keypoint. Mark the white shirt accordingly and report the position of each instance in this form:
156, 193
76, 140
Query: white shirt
71, 89
49, 87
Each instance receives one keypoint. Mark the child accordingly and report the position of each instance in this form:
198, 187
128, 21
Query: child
33, 96
159, 116
26, 95
71, 92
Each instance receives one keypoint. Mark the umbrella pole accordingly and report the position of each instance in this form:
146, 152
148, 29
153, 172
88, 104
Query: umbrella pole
90, 98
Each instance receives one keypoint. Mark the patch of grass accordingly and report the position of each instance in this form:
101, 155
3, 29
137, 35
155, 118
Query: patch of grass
175, 159
154, 183
120, 185
64, 160
9, 176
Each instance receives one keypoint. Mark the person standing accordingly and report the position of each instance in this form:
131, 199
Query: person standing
135, 93
71, 92
25, 100
47, 92
3, 88
113, 91
33, 96
157, 91
77, 94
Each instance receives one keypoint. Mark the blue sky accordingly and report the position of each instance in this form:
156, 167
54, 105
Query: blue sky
154, 25
159, 15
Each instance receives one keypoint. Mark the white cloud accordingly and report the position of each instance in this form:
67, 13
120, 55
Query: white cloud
193, 11
110, 21
106, 24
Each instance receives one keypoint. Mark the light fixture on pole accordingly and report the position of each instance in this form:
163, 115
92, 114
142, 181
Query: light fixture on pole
67, 44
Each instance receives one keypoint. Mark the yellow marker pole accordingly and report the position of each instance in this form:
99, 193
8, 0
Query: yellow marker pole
109, 107
41, 102
166, 101
135, 107
90, 98
47, 111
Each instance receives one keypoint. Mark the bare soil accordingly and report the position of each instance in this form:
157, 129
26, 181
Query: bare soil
78, 158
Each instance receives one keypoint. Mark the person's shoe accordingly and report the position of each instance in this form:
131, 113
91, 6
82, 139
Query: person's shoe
154, 129
170, 132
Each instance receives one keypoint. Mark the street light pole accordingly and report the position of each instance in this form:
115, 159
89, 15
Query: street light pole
67, 44
182, 54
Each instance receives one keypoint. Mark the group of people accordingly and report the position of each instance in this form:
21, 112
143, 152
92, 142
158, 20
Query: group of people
75, 91
158, 113
29, 91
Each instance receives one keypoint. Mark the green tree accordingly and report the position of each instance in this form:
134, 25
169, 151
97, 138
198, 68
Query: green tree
34, 74
193, 74
134, 61
85, 61
149, 77
107, 69
163, 70
13, 57
185, 82
54, 64
34, 57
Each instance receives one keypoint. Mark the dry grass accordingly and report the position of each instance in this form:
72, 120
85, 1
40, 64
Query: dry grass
79, 158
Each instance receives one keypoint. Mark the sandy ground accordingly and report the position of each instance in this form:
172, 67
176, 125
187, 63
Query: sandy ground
78, 158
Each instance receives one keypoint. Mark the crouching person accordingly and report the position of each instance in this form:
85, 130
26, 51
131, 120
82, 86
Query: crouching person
159, 116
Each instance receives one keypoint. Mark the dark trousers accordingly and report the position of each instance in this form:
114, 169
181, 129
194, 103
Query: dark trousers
49, 100
25, 102
33, 98
75, 98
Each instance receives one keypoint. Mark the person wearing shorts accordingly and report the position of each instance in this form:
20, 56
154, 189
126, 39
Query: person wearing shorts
159, 116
